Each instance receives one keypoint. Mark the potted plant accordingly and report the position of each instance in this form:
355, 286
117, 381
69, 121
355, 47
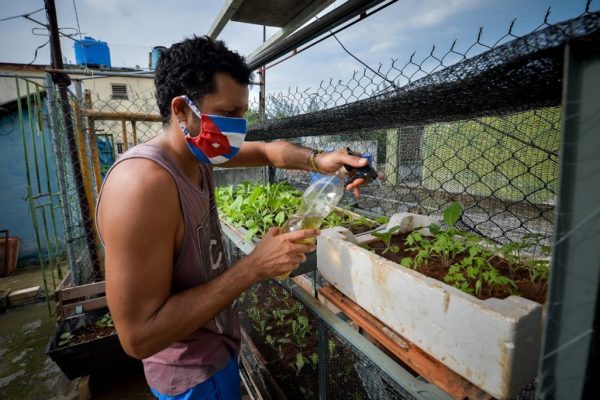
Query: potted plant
87, 344
470, 316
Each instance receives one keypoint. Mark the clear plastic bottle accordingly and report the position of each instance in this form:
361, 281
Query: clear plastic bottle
318, 201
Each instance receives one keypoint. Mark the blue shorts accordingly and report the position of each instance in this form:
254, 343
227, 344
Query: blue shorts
223, 385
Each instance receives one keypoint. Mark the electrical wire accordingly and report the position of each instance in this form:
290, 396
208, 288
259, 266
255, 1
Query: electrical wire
365, 64
34, 56
360, 18
77, 19
22, 15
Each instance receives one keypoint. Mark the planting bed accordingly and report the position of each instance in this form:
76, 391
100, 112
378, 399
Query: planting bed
285, 335
492, 342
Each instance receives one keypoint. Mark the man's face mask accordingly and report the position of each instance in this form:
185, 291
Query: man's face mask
219, 139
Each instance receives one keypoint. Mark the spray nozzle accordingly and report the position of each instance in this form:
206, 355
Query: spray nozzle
367, 172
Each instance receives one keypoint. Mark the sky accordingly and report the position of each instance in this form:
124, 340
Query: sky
132, 27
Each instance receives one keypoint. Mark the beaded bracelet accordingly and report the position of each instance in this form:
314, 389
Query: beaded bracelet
312, 161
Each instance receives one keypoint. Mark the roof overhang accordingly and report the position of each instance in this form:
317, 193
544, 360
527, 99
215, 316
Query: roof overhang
289, 15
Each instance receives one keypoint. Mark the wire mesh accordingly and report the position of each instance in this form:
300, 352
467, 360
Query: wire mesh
294, 358
431, 129
77, 215
478, 128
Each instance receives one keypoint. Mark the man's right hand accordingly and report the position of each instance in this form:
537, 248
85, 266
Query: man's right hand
279, 253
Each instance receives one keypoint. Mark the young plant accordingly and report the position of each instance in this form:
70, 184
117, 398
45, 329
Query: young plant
300, 329
314, 361
386, 238
299, 363
257, 320
105, 322
280, 315
65, 338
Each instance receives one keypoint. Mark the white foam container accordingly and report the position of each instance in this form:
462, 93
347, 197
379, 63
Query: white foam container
494, 343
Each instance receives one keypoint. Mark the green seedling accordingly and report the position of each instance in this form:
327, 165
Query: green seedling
386, 238
105, 322
65, 338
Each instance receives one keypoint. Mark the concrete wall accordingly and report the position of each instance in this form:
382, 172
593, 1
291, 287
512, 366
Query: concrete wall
15, 213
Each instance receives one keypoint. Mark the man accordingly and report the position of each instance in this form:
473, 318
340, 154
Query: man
169, 289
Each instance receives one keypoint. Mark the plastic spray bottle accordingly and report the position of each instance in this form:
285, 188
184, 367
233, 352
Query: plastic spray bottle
321, 198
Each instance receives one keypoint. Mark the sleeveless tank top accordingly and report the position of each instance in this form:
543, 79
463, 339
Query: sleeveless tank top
192, 360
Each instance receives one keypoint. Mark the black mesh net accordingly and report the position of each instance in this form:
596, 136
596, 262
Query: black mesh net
483, 130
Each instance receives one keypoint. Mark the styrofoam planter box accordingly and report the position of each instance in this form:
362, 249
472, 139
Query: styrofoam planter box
493, 343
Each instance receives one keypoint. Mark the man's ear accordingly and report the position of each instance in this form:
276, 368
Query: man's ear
178, 109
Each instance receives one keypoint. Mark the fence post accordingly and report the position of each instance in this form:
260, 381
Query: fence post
62, 180
91, 133
391, 153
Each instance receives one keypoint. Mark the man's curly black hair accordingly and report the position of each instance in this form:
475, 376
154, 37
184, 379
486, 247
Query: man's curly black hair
189, 68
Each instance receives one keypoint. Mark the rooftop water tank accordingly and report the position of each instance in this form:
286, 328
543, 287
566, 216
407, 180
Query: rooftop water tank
92, 52
155, 55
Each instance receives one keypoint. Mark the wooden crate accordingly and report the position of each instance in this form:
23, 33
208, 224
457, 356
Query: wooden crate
73, 300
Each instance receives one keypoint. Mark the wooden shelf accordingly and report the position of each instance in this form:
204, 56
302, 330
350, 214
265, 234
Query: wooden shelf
427, 367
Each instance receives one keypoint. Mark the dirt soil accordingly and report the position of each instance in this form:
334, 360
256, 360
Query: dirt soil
435, 269
90, 332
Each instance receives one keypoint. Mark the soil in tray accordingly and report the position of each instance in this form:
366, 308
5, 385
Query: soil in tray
89, 332
434, 268
280, 347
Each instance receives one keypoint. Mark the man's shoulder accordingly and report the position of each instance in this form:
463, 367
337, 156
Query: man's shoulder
140, 177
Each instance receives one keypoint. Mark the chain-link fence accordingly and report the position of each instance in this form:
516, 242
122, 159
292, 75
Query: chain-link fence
478, 128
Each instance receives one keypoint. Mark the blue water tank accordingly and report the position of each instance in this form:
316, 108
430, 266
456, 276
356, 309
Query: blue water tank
155, 55
92, 52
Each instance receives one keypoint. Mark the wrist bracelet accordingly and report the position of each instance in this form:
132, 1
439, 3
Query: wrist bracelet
312, 161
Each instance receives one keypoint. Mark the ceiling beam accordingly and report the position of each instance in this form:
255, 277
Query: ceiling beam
229, 8
329, 21
303, 17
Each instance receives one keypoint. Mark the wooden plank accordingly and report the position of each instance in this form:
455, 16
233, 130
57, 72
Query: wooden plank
85, 390
86, 305
75, 292
423, 364
122, 116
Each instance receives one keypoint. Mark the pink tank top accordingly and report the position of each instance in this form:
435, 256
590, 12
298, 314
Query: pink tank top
193, 359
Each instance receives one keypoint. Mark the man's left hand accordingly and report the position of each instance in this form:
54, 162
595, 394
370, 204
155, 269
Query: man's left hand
332, 161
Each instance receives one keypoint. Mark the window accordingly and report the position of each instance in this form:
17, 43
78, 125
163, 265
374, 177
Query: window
119, 148
119, 91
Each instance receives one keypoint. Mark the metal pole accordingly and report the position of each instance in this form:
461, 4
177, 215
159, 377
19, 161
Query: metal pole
62, 180
263, 79
63, 81
91, 133
38, 178
30, 192
569, 367
91, 74
323, 359
48, 185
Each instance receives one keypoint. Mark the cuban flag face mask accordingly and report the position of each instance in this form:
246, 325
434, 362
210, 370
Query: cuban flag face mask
220, 138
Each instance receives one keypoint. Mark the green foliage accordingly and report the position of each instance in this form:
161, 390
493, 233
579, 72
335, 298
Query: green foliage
300, 329
65, 338
258, 321
467, 258
452, 213
105, 322
259, 207
386, 238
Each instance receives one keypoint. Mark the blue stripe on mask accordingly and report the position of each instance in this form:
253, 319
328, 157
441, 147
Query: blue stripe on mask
230, 125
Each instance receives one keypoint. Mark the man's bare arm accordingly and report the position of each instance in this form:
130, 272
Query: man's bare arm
138, 220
